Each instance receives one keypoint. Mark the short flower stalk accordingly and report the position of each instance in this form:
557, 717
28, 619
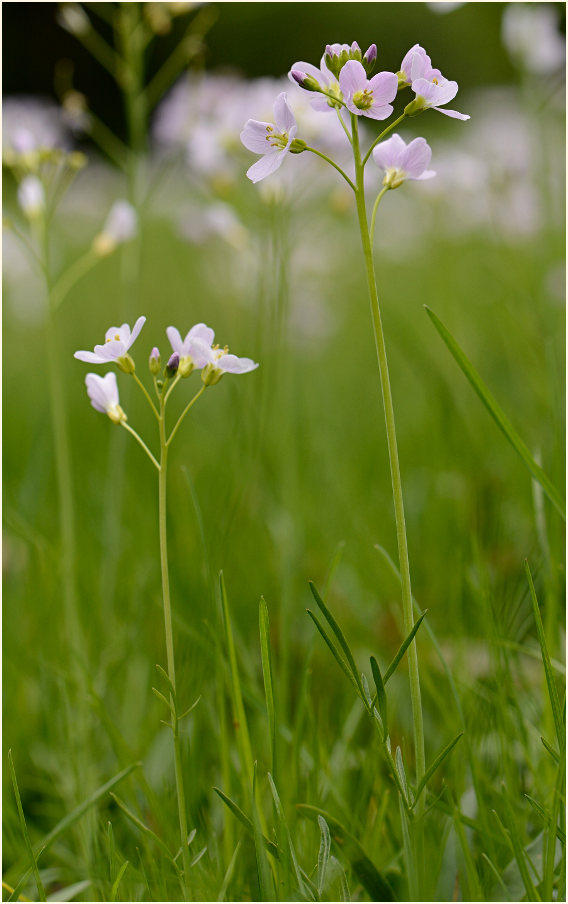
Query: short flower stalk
344, 84
195, 352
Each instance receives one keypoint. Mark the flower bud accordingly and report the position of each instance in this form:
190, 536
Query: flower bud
126, 364
415, 107
336, 56
297, 146
154, 362
211, 375
172, 366
370, 59
186, 366
305, 81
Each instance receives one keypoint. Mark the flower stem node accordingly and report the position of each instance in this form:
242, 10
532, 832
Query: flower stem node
154, 362
211, 375
416, 106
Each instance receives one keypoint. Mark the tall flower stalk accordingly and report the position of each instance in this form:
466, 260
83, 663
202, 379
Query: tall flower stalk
343, 85
195, 351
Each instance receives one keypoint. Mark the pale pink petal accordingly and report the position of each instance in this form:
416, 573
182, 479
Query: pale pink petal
114, 331
389, 152
201, 352
89, 357
175, 339
283, 115
453, 114
378, 111
406, 65
111, 350
265, 166
352, 78
416, 157
232, 364
320, 102
203, 332
135, 330
384, 86
254, 136
427, 174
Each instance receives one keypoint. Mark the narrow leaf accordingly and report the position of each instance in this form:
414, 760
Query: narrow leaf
142, 826
189, 709
403, 647
381, 695
264, 876
229, 874
246, 822
339, 634
286, 834
373, 881
164, 699
24, 828
548, 747
401, 771
435, 764
118, 880
167, 679
498, 414
552, 691
339, 659
323, 853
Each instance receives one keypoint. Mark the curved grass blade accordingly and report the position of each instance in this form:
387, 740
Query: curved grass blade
27, 842
285, 833
381, 696
339, 659
264, 876
246, 822
436, 763
403, 647
118, 880
552, 691
264, 627
143, 827
323, 853
373, 881
549, 749
498, 414
229, 874
340, 637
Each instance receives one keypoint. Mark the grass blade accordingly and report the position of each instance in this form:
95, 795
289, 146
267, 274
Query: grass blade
246, 822
264, 627
118, 880
323, 853
403, 647
33, 858
229, 874
436, 763
142, 826
373, 881
552, 691
549, 749
340, 637
381, 696
264, 877
339, 659
285, 832
498, 414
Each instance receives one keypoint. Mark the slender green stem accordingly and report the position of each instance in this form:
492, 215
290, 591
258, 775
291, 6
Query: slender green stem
146, 393
396, 484
332, 163
374, 214
382, 135
162, 492
343, 126
142, 443
172, 385
74, 272
184, 412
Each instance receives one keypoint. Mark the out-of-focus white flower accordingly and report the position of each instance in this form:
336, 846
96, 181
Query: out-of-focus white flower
120, 226
530, 34
73, 18
30, 124
199, 224
445, 7
103, 393
31, 197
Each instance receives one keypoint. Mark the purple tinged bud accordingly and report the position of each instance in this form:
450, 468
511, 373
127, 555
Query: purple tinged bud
355, 47
370, 58
297, 76
329, 50
154, 362
172, 365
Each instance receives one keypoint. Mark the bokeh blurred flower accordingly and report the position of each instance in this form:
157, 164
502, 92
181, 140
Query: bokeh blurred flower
118, 340
273, 144
531, 35
30, 124
402, 161
31, 197
120, 226
367, 97
103, 393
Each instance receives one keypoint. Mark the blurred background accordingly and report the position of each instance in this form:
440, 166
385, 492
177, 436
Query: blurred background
276, 471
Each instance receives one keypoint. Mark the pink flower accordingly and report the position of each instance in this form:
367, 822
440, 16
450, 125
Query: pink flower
272, 142
194, 350
434, 94
311, 78
417, 64
118, 339
367, 97
402, 161
103, 393
221, 362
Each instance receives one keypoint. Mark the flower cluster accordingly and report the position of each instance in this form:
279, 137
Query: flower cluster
196, 351
344, 82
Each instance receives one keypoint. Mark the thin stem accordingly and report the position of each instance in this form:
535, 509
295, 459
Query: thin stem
142, 443
344, 127
335, 166
162, 492
74, 272
146, 393
374, 214
382, 135
396, 485
183, 414
171, 387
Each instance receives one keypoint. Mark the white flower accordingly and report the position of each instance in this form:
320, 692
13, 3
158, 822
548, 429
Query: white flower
221, 362
530, 34
31, 197
118, 339
402, 161
194, 350
120, 226
103, 393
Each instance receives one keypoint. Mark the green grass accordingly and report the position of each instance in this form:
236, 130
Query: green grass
278, 478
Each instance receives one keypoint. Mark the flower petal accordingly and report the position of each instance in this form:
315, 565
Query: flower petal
452, 113
265, 166
111, 350
384, 86
89, 357
231, 364
175, 339
352, 78
283, 116
255, 134
389, 152
203, 332
416, 157
135, 330
378, 111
